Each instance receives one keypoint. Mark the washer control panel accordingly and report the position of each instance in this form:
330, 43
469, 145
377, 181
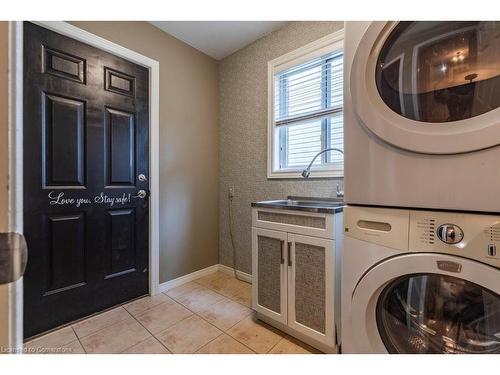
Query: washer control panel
450, 233
472, 236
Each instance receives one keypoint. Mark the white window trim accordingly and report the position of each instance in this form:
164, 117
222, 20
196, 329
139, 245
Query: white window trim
305, 53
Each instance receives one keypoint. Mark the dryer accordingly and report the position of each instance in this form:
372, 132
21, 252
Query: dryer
419, 281
422, 116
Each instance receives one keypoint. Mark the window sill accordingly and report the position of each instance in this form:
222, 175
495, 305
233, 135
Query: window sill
297, 174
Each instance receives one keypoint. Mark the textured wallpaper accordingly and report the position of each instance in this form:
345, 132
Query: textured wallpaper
243, 136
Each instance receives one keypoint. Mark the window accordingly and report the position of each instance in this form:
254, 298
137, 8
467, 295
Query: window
306, 110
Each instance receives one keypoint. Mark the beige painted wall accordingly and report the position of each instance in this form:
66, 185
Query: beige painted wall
188, 144
243, 135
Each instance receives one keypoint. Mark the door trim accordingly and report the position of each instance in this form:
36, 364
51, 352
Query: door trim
16, 132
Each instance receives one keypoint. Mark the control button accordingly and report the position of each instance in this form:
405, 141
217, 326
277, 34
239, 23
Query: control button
450, 233
492, 250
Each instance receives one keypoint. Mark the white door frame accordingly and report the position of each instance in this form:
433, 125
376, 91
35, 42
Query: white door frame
16, 137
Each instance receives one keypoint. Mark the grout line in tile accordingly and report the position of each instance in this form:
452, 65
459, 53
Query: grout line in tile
83, 347
180, 321
242, 343
194, 312
214, 290
225, 333
148, 308
111, 325
228, 298
100, 329
222, 331
174, 299
275, 345
219, 335
151, 333
107, 310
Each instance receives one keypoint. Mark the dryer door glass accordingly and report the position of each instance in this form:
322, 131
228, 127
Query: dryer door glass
440, 71
431, 313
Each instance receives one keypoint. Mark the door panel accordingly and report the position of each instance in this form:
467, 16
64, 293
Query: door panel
65, 252
86, 137
311, 287
63, 137
269, 262
63, 65
120, 150
269, 292
121, 244
119, 82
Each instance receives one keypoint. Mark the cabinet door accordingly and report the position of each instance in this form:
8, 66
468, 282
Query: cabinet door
311, 287
269, 288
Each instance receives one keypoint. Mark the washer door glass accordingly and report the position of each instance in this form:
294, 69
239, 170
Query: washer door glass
431, 313
440, 71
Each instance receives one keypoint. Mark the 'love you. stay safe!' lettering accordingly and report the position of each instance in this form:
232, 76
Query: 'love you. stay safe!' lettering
58, 198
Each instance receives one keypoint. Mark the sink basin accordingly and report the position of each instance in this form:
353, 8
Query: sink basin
291, 202
301, 204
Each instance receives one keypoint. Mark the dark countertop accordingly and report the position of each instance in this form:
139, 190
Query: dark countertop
307, 204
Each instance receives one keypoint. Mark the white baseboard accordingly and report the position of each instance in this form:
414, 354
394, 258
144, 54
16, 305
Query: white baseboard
163, 287
242, 275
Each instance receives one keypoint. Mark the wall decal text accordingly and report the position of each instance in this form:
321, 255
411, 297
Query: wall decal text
58, 199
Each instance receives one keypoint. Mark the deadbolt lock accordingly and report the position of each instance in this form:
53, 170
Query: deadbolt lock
141, 194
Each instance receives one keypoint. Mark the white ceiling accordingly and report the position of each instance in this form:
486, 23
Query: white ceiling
218, 39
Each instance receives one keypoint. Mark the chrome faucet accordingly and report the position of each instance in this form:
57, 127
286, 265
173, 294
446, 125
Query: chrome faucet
307, 172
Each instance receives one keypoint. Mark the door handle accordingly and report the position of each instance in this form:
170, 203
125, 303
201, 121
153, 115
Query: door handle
141, 194
289, 254
282, 245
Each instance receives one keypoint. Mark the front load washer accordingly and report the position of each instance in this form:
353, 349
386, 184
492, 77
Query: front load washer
422, 116
419, 281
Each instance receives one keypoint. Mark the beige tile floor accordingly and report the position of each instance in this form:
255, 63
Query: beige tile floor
210, 315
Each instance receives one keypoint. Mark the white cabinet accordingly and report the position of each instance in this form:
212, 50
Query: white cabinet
311, 287
269, 263
294, 285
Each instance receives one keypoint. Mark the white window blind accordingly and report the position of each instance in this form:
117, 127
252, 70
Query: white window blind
308, 112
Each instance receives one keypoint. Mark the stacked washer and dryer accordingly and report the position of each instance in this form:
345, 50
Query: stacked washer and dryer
421, 256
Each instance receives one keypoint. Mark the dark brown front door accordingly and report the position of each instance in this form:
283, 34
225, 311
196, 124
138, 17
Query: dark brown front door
85, 146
